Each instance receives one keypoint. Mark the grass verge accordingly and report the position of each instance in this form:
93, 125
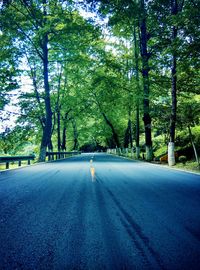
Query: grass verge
188, 166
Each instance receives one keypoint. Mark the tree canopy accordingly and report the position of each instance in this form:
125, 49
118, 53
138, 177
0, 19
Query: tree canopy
101, 74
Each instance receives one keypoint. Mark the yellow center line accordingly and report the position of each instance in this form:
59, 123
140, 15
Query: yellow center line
92, 170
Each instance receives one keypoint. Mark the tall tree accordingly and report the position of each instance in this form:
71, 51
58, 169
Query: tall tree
145, 55
176, 7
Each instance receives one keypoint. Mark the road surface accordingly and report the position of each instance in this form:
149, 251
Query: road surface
97, 211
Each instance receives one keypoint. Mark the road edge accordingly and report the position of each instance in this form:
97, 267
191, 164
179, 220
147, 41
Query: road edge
35, 164
153, 164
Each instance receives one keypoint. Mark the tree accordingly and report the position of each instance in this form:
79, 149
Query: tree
40, 28
35, 33
175, 9
8, 69
88, 88
188, 116
145, 73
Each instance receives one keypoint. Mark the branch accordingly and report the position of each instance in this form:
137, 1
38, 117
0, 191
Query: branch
33, 15
196, 5
27, 36
26, 17
59, 83
33, 75
180, 8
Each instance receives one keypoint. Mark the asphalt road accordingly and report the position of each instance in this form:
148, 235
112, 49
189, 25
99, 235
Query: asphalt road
97, 211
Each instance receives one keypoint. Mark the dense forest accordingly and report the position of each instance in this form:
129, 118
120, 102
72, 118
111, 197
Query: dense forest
92, 75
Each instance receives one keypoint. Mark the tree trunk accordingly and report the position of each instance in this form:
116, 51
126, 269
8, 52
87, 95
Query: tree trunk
46, 136
58, 109
50, 146
194, 147
171, 151
137, 95
115, 136
75, 147
63, 146
145, 74
58, 130
64, 140
128, 135
137, 132
36, 91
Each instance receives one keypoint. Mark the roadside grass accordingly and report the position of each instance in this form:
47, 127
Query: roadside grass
188, 166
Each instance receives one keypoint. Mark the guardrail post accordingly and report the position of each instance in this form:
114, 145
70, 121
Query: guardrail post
29, 162
60, 155
18, 159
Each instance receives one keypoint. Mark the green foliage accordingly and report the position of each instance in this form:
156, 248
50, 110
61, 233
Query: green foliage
183, 139
188, 166
93, 77
182, 159
189, 111
14, 141
8, 69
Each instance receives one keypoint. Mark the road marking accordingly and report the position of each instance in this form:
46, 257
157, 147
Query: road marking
92, 171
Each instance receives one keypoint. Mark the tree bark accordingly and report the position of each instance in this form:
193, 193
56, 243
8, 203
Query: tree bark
50, 146
75, 147
58, 131
145, 74
128, 135
137, 139
115, 136
41, 117
47, 130
58, 109
194, 147
171, 152
46, 136
64, 140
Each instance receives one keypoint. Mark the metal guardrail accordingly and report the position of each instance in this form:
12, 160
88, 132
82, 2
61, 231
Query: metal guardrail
59, 155
8, 159
51, 156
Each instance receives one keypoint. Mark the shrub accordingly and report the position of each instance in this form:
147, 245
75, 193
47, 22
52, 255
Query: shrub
182, 159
